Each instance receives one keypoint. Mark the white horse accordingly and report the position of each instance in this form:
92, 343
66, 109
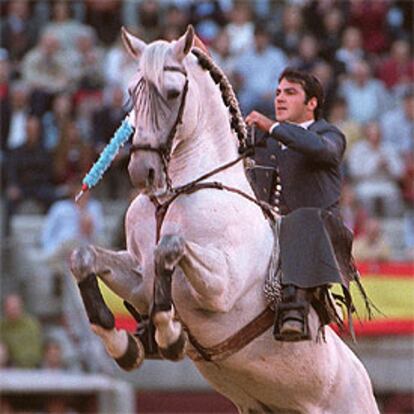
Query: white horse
198, 266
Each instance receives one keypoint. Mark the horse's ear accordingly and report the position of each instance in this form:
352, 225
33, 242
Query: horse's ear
200, 44
184, 44
134, 46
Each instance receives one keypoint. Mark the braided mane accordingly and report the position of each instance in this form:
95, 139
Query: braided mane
228, 95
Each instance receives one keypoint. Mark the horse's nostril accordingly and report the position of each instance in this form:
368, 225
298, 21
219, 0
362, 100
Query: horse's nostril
151, 176
173, 94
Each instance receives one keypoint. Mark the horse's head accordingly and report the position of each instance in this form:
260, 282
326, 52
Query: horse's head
159, 92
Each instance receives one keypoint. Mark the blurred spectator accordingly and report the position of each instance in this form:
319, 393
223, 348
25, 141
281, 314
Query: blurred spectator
375, 169
86, 104
371, 18
63, 27
241, 28
149, 19
315, 11
175, 18
332, 28
73, 156
398, 125
409, 234
308, 53
5, 111
14, 121
402, 18
351, 50
108, 118
288, 37
339, 116
69, 224
407, 182
257, 86
371, 245
397, 67
325, 73
207, 17
59, 405
352, 212
28, 172
46, 71
206, 10
21, 333
220, 52
18, 30
105, 122
119, 66
88, 59
55, 120
6, 406
366, 96
53, 359
105, 17
4, 355
5, 108
170, 33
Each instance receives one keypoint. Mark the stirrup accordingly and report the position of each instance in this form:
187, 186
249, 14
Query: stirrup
281, 318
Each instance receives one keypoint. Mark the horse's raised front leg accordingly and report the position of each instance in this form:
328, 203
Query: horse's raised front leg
169, 334
119, 271
208, 273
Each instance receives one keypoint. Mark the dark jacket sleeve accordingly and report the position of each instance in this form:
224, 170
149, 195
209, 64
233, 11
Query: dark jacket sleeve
326, 145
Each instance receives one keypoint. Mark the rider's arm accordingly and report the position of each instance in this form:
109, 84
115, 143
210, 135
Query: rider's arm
326, 146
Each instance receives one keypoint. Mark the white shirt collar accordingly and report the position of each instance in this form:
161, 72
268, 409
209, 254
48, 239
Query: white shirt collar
307, 124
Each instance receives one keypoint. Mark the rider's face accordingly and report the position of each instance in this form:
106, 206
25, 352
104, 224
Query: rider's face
290, 103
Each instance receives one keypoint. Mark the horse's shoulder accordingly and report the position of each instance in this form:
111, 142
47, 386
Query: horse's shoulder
140, 207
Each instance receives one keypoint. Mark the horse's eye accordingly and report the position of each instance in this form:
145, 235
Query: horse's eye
173, 93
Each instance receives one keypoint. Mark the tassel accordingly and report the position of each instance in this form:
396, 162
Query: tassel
97, 171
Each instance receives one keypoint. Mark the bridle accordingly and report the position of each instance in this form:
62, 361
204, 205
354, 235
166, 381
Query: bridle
164, 150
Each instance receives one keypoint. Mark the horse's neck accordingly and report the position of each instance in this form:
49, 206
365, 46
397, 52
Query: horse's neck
211, 145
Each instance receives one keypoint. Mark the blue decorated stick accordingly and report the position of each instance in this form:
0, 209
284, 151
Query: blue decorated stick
108, 154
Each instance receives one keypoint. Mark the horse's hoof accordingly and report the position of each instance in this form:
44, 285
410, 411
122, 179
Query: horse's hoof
169, 251
82, 262
133, 356
175, 351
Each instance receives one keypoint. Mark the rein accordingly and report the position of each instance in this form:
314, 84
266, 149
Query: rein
164, 151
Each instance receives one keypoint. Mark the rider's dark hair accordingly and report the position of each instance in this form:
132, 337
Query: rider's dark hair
310, 84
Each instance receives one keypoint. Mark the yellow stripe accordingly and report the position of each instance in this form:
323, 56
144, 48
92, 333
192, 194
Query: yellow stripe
114, 302
393, 296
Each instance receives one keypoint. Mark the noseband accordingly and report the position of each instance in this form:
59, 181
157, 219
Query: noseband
164, 150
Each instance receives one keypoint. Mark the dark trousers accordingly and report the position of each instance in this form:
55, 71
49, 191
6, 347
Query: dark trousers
315, 249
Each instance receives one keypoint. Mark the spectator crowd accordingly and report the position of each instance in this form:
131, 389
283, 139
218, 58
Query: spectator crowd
63, 82
63, 77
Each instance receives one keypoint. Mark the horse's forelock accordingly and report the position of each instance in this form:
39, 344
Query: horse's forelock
153, 61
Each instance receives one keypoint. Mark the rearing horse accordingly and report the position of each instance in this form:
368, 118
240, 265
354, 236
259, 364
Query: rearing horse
199, 248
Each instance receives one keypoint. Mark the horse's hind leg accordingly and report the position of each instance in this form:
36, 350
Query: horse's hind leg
86, 264
169, 334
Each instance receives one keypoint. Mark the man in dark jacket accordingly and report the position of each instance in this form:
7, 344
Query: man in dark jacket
305, 153
28, 173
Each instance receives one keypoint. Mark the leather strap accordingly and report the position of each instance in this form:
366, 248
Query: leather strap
234, 343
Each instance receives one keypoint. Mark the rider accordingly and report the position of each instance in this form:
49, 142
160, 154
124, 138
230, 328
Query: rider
306, 153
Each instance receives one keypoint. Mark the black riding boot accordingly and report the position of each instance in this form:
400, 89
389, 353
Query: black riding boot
291, 323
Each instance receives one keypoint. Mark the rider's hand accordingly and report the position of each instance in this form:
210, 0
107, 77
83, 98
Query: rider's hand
262, 122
